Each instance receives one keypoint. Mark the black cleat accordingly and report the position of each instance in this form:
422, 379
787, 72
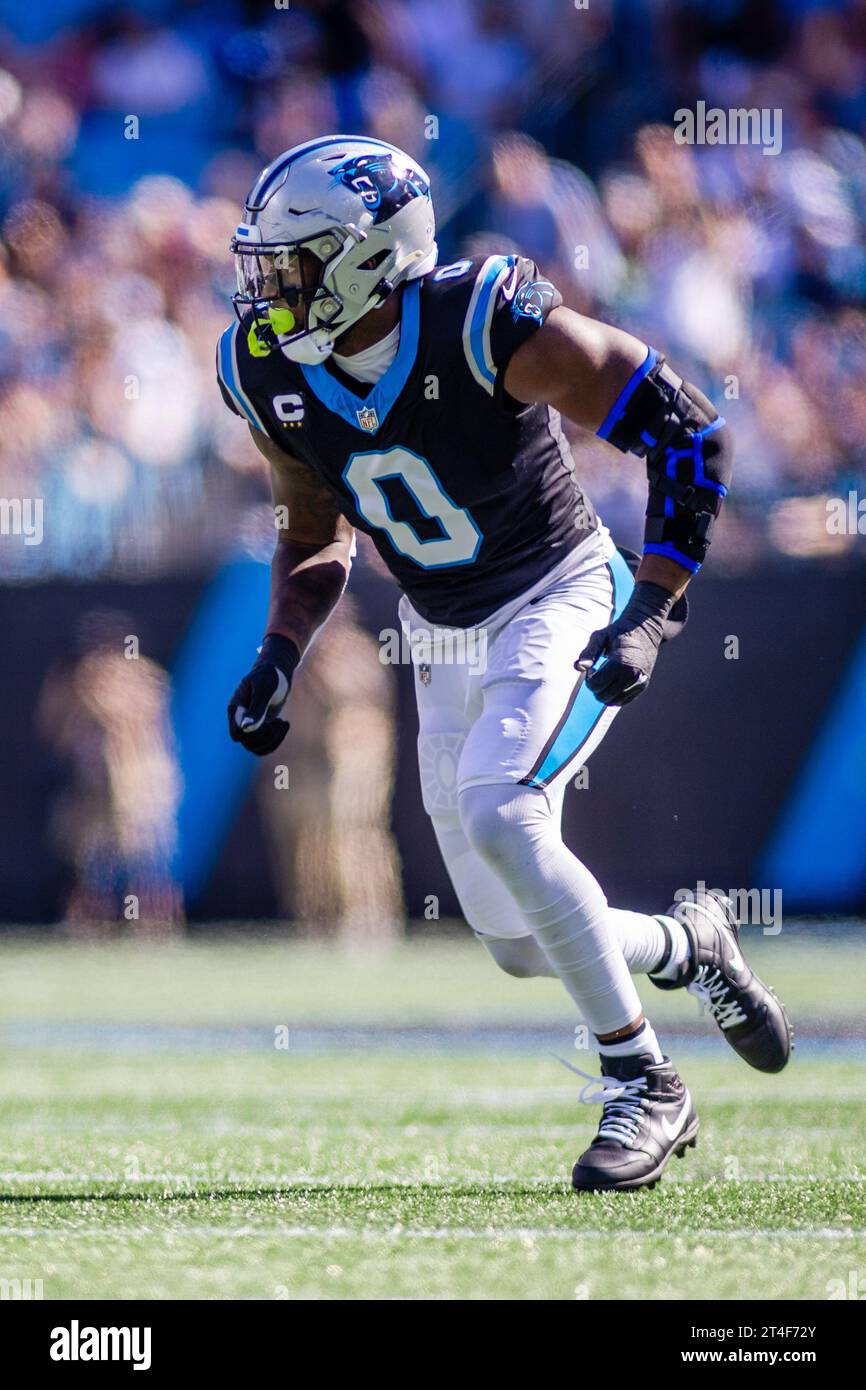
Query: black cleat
648, 1116
747, 1011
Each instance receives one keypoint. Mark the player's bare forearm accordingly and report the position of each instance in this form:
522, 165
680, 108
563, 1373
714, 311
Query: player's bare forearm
313, 556
307, 581
308, 574
658, 569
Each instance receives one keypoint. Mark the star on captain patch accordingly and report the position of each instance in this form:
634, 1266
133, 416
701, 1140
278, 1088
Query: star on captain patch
367, 418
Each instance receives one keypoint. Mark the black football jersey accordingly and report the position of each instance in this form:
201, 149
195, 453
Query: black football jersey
469, 496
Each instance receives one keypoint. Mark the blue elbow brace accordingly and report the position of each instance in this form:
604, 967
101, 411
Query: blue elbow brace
688, 450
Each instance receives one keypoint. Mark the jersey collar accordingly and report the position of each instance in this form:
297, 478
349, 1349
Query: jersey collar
368, 413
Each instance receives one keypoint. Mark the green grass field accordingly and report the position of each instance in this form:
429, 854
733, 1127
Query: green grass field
413, 1140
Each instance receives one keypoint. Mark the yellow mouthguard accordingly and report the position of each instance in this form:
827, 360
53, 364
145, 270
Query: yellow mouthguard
281, 321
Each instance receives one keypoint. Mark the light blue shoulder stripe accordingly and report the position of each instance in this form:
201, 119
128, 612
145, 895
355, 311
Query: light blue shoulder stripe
227, 359
479, 314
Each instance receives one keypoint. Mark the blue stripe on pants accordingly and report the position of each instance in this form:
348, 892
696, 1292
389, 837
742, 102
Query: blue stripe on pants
584, 711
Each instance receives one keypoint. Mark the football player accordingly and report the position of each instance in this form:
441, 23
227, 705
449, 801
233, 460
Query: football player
423, 405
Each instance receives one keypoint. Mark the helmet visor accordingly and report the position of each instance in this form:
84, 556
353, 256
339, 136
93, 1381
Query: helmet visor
284, 273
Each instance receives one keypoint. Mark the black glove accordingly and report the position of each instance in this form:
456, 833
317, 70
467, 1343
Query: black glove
630, 644
255, 707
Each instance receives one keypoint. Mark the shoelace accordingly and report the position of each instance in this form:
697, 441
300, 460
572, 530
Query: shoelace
711, 989
621, 1100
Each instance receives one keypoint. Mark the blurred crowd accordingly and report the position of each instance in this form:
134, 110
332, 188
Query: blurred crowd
129, 136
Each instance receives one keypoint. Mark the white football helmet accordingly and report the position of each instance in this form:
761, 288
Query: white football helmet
362, 207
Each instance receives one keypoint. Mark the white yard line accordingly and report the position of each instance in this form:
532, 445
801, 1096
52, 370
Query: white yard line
434, 1233
275, 1185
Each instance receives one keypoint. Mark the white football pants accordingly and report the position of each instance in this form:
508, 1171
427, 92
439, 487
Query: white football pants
504, 722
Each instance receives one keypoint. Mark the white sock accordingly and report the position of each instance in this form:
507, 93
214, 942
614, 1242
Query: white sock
679, 950
642, 1040
641, 938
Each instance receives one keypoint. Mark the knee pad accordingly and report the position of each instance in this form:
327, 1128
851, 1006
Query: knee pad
505, 823
484, 900
520, 957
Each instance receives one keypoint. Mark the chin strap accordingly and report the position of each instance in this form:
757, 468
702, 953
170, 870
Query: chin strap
307, 350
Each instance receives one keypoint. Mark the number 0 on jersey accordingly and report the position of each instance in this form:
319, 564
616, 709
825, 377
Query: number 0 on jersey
461, 538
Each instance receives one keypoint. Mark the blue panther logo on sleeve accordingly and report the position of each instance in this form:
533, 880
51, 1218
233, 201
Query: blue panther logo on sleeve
533, 300
383, 188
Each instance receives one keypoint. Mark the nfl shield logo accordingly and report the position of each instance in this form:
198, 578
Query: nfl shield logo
367, 418
424, 673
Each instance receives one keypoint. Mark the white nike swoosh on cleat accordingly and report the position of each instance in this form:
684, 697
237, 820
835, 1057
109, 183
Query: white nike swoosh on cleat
672, 1130
735, 961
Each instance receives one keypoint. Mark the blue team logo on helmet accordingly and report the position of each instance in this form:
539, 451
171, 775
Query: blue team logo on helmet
382, 188
532, 300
